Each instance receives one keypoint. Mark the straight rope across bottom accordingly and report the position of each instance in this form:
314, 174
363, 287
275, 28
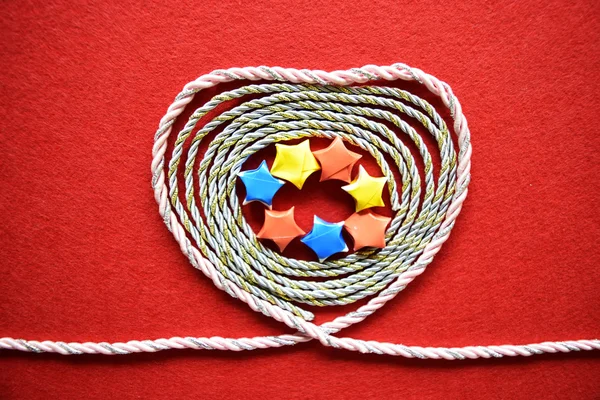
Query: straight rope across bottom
219, 242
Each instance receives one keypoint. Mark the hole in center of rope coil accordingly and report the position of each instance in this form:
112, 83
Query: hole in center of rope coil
315, 198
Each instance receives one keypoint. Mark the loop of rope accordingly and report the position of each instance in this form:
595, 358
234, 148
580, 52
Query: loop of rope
219, 242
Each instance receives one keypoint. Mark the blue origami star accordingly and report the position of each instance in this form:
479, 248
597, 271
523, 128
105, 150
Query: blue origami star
260, 185
325, 238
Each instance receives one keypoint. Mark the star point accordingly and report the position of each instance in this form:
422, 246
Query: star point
366, 190
325, 238
336, 161
367, 229
260, 185
294, 163
280, 227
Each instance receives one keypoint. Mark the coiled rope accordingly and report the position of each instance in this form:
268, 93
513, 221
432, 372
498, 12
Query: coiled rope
218, 241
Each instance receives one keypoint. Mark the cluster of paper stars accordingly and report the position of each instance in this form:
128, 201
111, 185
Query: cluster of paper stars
295, 163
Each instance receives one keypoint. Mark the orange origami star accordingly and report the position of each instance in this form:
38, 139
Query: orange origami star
367, 229
280, 227
336, 161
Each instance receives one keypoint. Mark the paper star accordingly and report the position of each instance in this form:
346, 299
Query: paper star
260, 185
336, 161
325, 238
367, 229
366, 190
294, 163
280, 227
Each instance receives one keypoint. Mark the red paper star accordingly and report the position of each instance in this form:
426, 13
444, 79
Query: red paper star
367, 229
336, 161
280, 227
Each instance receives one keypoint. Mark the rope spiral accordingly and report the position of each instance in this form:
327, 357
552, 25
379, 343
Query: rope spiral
220, 243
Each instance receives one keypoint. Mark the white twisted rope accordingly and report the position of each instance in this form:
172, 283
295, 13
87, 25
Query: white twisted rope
220, 243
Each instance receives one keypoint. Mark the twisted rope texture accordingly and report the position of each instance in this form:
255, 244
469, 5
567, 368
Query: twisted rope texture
218, 241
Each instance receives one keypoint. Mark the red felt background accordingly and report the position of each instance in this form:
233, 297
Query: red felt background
84, 255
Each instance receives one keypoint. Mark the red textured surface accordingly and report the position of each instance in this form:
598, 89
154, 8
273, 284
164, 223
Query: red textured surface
84, 254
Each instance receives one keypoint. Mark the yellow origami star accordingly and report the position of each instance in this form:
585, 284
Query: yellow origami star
294, 163
366, 190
